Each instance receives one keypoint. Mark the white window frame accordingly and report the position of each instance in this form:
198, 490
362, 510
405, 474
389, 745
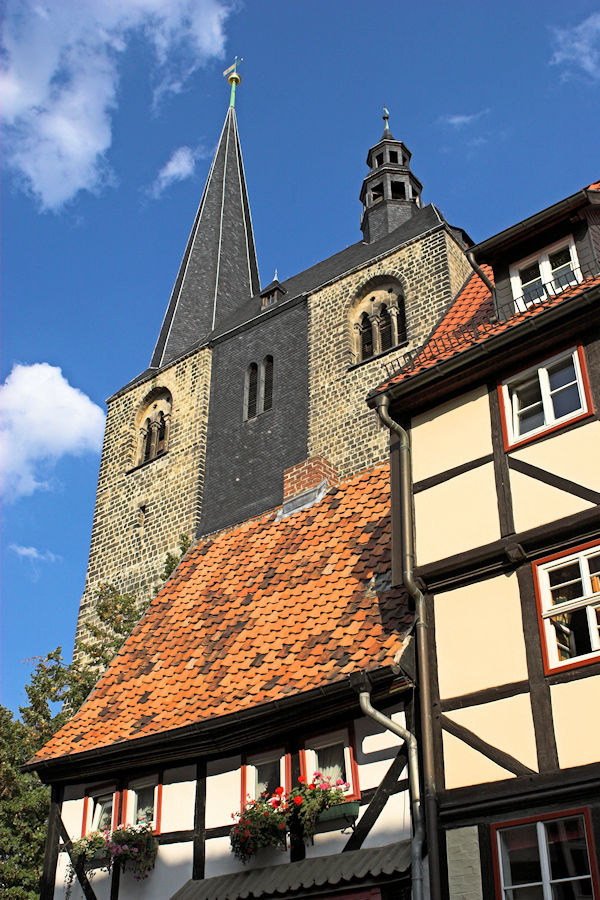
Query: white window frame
543, 258
590, 602
258, 759
547, 880
132, 788
93, 797
314, 744
541, 370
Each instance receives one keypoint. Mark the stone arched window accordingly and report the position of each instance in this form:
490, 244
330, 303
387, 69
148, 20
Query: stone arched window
155, 417
258, 388
378, 318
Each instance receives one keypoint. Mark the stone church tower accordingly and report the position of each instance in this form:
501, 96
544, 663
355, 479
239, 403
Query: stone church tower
255, 397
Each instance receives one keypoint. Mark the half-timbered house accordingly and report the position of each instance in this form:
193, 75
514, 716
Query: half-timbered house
496, 474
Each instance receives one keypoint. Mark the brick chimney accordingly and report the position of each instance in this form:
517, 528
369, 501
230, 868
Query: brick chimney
307, 475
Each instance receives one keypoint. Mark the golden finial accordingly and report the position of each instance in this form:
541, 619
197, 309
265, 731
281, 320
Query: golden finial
234, 78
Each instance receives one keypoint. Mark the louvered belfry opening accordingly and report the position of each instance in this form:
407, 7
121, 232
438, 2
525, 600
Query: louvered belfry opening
385, 328
366, 337
251, 391
267, 373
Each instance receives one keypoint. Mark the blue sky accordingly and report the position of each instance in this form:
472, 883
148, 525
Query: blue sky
111, 114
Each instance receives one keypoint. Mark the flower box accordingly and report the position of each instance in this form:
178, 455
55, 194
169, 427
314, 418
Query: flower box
338, 817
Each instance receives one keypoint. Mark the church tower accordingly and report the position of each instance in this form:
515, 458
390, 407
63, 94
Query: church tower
151, 478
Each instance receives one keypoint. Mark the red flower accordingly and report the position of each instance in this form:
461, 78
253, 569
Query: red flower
298, 801
302, 779
279, 791
312, 787
276, 803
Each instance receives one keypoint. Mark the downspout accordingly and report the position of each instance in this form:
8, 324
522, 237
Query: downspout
424, 680
363, 686
477, 268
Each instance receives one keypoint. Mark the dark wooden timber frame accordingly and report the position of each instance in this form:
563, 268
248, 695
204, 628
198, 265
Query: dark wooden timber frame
51, 848
199, 833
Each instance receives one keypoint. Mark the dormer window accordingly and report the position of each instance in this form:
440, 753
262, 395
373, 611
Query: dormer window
545, 274
269, 299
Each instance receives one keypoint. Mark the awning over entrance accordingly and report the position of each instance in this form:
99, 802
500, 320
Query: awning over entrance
288, 878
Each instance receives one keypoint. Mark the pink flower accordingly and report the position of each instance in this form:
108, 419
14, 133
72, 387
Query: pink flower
317, 775
340, 781
324, 786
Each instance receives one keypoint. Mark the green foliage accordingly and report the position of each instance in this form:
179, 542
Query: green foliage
134, 847
260, 824
55, 692
172, 560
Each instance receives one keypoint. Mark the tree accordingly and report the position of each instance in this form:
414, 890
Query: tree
55, 692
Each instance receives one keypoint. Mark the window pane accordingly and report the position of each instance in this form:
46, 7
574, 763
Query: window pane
573, 890
560, 258
565, 583
533, 892
520, 856
331, 761
572, 634
561, 374
528, 393
566, 401
529, 273
144, 804
567, 847
102, 814
267, 778
594, 564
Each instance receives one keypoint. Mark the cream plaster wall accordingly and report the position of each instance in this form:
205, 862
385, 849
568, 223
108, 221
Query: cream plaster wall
376, 749
479, 636
457, 515
576, 712
451, 434
178, 800
72, 814
173, 868
223, 791
506, 724
556, 455
535, 503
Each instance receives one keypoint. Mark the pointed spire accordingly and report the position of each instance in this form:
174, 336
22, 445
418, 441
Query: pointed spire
219, 270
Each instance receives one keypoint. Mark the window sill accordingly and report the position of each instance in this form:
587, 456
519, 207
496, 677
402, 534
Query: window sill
571, 664
147, 462
365, 362
547, 432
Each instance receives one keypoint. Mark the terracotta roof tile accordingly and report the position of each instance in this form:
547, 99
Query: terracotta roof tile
471, 321
255, 613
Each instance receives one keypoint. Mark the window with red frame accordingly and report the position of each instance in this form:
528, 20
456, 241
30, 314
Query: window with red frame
568, 591
545, 397
99, 810
333, 756
549, 858
263, 773
143, 800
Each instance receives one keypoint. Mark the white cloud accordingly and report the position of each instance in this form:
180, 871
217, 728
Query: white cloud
458, 120
60, 79
43, 419
578, 46
181, 165
34, 554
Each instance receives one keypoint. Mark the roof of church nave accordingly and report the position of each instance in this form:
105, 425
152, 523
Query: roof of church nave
472, 320
257, 613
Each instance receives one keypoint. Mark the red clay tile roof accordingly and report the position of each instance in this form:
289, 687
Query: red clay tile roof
470, 321
594, 187
255, 613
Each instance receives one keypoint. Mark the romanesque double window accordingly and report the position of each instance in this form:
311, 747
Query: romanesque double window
258, 388
156, 419
379, 322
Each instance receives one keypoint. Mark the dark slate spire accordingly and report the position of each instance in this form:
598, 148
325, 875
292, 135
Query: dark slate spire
219, 271
390, 193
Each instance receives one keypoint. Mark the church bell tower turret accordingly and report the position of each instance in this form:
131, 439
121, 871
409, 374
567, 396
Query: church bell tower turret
390, 193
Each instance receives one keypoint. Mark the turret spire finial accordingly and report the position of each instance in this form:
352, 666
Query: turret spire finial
234, 78
386, 119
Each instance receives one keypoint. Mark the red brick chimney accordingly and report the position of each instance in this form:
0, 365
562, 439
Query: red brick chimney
306, 475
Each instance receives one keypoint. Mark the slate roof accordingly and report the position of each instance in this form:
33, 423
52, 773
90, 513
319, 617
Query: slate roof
219, 270
471, 320
268, 609
339, 869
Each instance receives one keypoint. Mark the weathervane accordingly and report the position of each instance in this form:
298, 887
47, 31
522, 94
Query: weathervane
386, 118
234, 78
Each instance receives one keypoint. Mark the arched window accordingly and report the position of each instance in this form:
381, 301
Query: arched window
251, 391
385, 328
155, 416
267, 383
366, 337
258, 389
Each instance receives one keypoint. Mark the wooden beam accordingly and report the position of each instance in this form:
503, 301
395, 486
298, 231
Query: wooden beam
199, 837
52, 837
79, 871
505, 760
371, 814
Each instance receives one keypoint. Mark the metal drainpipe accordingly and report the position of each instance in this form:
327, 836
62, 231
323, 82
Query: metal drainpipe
416, 850
408, 565
477, 268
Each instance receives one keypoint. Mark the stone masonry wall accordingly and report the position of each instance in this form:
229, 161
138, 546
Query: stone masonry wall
341, 428
141, 510
464, 867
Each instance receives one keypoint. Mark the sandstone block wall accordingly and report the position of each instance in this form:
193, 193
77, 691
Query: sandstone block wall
141, 510
464, 867
341, 428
